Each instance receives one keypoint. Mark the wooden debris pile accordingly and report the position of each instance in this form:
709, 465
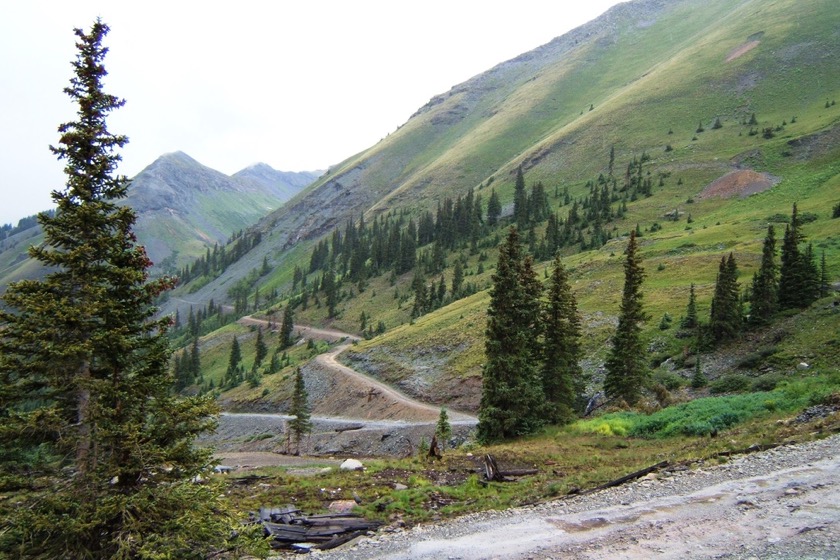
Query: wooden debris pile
288, 528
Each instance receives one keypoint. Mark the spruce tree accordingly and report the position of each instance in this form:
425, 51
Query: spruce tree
195, 361
562, 376
301, 424
726, 319
287, 327
457, 279
234, 359
494, 209
798, 275
443, 430
511, 397
626, 365
690, 320
765, 285
95, 443
260, 348
330, 287
520, 201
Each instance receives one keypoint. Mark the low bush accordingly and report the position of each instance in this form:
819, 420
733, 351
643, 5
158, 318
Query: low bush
667, 379
733, 383
767, 382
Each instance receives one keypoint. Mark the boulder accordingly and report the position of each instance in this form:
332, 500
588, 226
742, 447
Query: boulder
351, 465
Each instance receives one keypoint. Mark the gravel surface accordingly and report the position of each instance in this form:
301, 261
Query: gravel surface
778, 504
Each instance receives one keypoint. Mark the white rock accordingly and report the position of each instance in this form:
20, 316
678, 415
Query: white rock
351, 465
802, 365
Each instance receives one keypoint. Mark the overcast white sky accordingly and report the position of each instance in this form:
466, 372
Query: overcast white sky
300, 85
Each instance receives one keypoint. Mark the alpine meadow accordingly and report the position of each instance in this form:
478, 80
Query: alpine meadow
617, 250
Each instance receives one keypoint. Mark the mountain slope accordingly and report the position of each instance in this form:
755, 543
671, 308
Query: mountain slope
639, 78
685, 95
183, 208
282, 184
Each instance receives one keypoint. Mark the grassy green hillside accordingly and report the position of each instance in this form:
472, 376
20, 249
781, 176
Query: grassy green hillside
675, 86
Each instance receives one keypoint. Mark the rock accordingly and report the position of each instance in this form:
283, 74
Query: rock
341, 506
802, 365
399, 486
352, 465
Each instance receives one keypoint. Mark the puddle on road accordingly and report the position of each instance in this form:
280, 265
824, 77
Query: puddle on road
592, 523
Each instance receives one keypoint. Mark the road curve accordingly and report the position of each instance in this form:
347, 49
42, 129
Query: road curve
329, 361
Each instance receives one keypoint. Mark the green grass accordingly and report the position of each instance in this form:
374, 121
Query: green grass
705, 416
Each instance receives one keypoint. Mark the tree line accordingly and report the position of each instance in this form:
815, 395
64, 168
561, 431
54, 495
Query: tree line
532, 377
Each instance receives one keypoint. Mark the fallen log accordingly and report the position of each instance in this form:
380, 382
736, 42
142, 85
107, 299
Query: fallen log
286, 528
626, 478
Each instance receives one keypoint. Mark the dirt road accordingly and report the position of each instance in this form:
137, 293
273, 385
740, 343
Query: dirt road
783, 503
303, 331
418, 409
359, 395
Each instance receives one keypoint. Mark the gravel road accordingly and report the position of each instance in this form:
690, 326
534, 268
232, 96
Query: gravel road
778, 504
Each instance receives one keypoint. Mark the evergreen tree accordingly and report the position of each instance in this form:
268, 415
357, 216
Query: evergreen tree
494, 209
798, 274
511, 398
330, 287
287, 327
96, 446
301, 424
520, 201
690, 320
234, 359
765, 284
698, 379
274, 364
458, 278
562, 376
726, 320
195, 361
626, 365
812, 274
261, 350
443, 430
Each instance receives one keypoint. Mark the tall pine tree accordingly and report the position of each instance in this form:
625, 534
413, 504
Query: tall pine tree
690, 321
798, 275
287, 327
511, 397
494, 209
562, 376
626, 365
86, 399
520, 201
765, 284
726, 319
301, 424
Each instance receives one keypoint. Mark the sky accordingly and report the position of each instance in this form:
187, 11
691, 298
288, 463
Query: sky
299, 85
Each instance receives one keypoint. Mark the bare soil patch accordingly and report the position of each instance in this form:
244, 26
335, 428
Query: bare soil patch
741, 50
741, 183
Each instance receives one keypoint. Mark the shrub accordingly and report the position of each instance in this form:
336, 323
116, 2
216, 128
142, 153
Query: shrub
733, 383
667, 379
766, 382
755, 359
